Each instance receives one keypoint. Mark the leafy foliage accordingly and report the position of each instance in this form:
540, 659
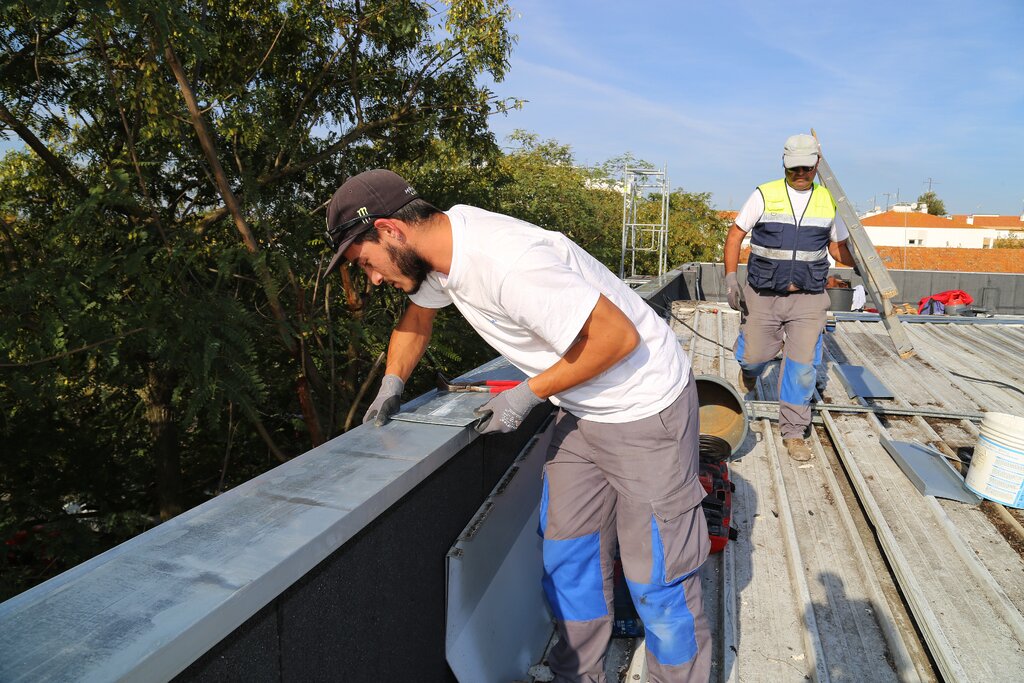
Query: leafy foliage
936, 207
166, 331
1010, 241
159, 345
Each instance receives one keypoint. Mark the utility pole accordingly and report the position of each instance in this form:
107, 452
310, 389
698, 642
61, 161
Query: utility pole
887, 195
930, 182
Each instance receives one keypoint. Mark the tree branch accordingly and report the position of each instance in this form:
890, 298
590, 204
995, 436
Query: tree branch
48, 157
224, 187
362, 390
74, 351
291, 169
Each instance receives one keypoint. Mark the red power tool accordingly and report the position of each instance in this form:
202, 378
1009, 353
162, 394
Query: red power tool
717, 504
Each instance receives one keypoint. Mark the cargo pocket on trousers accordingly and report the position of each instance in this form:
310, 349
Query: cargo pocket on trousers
682, 531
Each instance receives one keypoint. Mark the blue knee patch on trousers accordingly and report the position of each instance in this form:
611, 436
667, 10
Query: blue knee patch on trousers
750, 369
572, 581
797, 382
668, 621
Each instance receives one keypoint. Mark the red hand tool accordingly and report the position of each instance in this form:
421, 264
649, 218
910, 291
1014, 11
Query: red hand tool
490, 386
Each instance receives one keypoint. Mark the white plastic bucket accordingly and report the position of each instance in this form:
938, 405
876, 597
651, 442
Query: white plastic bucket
997, 468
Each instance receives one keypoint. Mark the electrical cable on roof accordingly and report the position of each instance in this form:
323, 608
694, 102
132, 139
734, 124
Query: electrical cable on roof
988, 381
669, 312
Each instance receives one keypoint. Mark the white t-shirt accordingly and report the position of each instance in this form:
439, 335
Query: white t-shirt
528, 291
751, 212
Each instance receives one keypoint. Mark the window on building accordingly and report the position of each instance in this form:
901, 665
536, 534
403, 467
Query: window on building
915, 242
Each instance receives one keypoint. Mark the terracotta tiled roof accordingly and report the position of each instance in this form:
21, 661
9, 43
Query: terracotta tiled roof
998, 222
989, 221
729, 215
903, 219
953, 259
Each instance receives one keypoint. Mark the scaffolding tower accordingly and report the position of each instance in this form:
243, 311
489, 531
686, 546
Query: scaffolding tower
643, 188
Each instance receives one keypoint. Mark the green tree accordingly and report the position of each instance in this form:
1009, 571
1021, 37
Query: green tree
1010, 241
935, 205
540, 182
696, 230
164, 318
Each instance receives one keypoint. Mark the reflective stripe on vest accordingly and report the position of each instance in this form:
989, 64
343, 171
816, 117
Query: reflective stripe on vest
785, 249
784, 255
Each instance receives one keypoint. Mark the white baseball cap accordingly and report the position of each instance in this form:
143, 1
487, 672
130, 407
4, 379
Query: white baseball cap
800, 150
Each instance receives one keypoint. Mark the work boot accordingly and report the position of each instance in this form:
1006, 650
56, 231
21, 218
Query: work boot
748, 382
798, 449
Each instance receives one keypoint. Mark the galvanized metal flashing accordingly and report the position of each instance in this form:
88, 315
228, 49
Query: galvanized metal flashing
859, 381
928, 470
148, 608
498, 622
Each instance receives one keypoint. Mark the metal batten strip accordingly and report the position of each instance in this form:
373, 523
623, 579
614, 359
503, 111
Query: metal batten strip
811, 636
902, 659
691, 344
996, 596
730, 639
941, 649
759, 407
981, 573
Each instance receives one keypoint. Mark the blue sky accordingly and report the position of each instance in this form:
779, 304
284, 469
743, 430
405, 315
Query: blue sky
897, 91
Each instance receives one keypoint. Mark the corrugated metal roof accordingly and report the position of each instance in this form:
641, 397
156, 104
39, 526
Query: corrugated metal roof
842, 570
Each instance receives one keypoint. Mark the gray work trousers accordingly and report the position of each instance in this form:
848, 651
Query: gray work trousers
794, 323
637, 482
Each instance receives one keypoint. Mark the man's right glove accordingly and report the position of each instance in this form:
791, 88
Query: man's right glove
506, 411
388, 401
734, 293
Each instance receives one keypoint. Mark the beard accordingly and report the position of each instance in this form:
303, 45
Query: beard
409, 264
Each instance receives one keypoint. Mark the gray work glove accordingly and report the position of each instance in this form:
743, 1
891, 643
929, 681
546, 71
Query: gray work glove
388, 401
506, 411
734, 292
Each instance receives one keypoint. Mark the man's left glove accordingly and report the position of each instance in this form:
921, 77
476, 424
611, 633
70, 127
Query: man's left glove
506, 411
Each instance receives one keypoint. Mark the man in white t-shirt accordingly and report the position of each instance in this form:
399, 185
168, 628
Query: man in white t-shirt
623, 460
793, 228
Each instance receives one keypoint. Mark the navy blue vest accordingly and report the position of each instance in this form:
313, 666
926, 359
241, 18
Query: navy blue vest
787, 250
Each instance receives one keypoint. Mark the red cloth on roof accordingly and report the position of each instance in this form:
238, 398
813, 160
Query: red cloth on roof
951, 297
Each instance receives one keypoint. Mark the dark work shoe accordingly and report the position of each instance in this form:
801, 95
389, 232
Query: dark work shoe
798, 449
749, 383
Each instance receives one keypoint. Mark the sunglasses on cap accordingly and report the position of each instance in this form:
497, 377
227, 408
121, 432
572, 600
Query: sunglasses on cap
800, 169
337, 234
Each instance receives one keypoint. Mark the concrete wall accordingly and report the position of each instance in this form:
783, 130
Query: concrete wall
965, 238
1001, 293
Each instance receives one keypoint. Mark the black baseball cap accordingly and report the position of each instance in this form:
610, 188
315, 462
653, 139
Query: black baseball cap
358, 203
